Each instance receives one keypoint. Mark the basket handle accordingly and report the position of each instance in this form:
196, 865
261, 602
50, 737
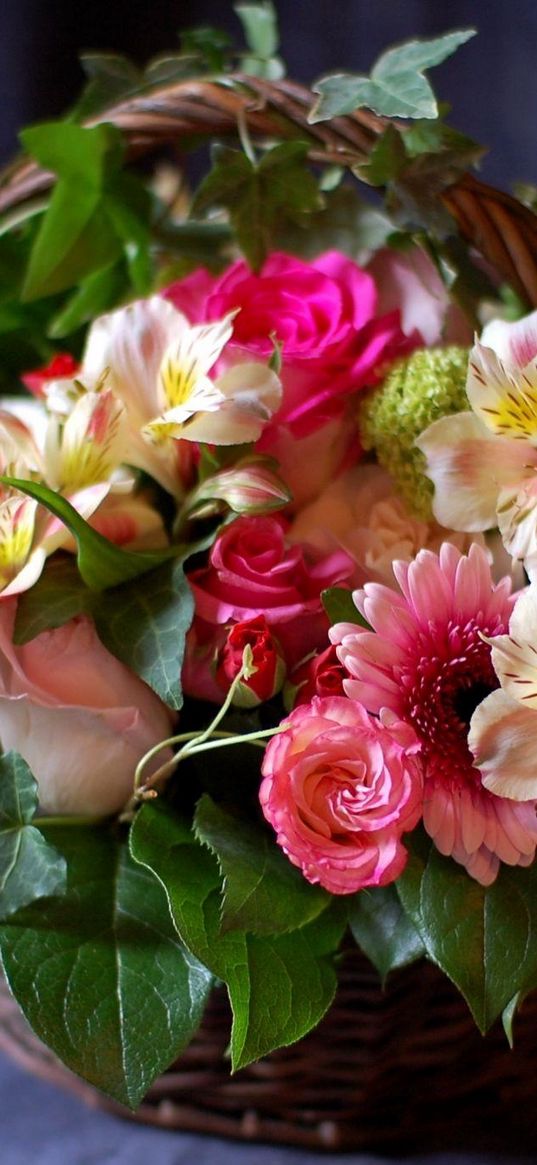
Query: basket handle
496, 224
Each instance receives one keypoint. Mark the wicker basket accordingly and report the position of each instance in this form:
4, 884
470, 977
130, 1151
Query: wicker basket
402, 1069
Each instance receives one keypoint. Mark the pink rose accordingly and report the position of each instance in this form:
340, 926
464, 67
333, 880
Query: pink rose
323, 312
254, 571
340, 787
78, 716
266, 659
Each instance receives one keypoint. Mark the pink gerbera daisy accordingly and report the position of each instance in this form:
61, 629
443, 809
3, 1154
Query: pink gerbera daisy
427, 662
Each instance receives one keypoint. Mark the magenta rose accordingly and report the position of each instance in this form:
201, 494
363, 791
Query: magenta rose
323, 312
340, 788
80, 718
253, 571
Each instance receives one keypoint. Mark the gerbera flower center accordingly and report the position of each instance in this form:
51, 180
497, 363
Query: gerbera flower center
450, 676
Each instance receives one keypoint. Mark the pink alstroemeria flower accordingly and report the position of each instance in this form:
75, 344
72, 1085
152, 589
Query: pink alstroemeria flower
484, 463
503, 727
159, 367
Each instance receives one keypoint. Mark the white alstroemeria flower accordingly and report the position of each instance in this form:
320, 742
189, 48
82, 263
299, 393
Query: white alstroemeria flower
158, 366
484, 463
504, 726
89, 446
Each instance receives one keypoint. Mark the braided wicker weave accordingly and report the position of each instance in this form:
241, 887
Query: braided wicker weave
399, 1069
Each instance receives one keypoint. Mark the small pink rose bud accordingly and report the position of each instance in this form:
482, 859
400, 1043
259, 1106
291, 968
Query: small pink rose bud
266, 659
250, 487
320, 674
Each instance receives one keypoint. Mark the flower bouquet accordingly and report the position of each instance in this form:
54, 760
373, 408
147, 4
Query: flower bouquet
268, 568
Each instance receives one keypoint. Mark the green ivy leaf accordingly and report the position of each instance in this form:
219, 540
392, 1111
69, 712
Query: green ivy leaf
145, 624
58, 595
259, 196
396, 87
75, 236
100, 562
340, 607
463, 926
30, 868
263, 893
383, 930
386, 160
279, 986
96, 294
260, 25
100, 974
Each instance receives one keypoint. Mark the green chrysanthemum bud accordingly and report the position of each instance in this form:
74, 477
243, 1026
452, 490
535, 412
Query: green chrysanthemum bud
429, 384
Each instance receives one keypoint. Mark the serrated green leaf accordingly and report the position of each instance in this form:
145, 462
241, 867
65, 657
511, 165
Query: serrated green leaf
263, 892
100, 973
383, 930
396, 86
280, 986
483, 938
259, 197
30, 867
341, 608
100, 562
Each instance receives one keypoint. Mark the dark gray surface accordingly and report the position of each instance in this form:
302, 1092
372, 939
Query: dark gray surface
40, 1125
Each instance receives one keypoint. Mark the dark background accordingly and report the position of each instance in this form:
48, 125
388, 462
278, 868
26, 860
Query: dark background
491, 82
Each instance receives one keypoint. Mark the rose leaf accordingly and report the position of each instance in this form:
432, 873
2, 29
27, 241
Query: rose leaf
463, 926
101, 974
279, 986
263, 892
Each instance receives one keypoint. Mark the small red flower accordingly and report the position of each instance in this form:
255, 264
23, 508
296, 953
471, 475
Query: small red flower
62, 365
318, 675
266, 658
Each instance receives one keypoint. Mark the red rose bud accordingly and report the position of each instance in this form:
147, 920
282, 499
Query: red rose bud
248, 488
318, 675
62, 365
269, 673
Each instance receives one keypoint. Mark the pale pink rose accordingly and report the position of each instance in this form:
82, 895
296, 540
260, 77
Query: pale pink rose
361, 513
79, 717
340, 788
253, 570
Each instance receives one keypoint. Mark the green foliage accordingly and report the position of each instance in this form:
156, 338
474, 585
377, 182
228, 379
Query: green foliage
383, 930
143, 623
100, 562
263, 893
259, 21
30, 868
341, 608
280, 985
100, 972
396, 87
96, 214
259, 196
483, 938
